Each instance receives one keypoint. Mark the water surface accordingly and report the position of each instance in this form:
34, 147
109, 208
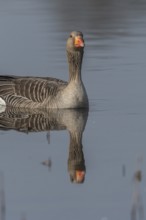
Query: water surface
32, 42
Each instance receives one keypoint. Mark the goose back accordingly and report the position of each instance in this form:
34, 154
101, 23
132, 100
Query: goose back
29, 91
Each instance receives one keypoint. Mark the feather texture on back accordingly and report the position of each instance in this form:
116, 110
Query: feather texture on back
23, 91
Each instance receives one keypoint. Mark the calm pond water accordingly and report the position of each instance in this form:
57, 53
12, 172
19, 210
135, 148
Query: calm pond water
111, 152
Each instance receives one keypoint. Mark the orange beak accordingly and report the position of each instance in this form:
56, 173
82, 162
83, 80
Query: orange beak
80, 175
79, 42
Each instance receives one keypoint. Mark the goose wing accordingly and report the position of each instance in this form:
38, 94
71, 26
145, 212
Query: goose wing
34, 89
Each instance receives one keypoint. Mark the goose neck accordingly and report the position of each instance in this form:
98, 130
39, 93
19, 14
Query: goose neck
75, 65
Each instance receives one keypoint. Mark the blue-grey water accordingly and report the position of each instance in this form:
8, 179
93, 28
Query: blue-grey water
32, 42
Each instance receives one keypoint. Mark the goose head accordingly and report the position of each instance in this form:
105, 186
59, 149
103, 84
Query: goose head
75, 42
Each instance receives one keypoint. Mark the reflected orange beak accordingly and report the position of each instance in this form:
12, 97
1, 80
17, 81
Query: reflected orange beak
80, 175
79, 42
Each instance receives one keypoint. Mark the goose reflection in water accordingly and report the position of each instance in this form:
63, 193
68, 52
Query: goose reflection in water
73, 120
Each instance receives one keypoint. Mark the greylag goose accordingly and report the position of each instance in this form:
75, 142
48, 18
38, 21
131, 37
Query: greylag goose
46, 92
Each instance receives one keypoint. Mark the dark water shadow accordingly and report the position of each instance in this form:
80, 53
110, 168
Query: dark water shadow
137, 209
